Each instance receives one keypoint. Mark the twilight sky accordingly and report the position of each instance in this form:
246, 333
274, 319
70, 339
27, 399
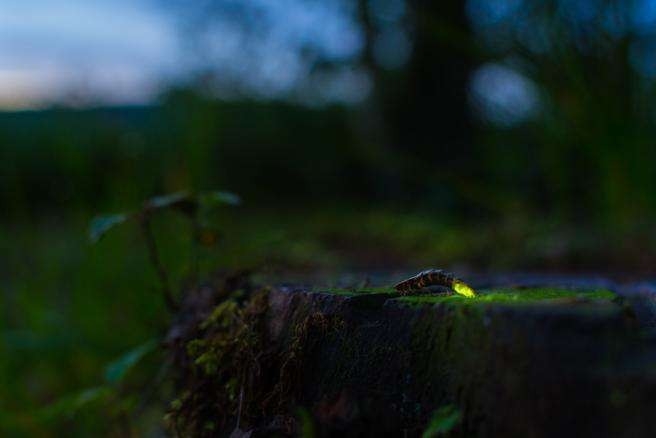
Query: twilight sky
123, 51
114, 51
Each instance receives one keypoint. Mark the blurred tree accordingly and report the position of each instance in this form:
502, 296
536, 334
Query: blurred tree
591, 61
414, 117
429, 110
432, 112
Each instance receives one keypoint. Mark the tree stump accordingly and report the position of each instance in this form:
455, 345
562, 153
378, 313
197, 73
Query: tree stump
516, 361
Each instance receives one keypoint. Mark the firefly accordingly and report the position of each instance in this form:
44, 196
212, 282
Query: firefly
435, 277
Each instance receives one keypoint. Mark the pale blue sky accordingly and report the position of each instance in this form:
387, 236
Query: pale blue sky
125, 51
114, 51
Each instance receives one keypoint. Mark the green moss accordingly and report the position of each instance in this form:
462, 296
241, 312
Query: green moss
538, 294
497, 295
514, 296
223, 357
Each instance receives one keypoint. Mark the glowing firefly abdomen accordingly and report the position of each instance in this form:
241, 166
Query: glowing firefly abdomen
435, 277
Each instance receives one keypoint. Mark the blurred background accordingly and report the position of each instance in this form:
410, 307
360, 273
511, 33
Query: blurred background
362, 136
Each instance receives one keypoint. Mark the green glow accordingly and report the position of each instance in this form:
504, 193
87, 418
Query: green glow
514, 296
463, 289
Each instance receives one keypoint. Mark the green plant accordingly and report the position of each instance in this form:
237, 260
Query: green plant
192, 206
443, 421
114, 394
110, 391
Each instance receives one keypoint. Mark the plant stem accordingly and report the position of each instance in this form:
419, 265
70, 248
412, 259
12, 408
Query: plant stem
155, 260
195, 248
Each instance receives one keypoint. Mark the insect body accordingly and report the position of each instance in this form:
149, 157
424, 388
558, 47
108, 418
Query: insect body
435, 277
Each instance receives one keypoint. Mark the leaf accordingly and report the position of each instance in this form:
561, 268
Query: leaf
67, 406
118, 369
442, 422
102, 224
165, 201
180, 201
220, 197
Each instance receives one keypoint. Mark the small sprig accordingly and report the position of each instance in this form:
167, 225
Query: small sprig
185, 203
